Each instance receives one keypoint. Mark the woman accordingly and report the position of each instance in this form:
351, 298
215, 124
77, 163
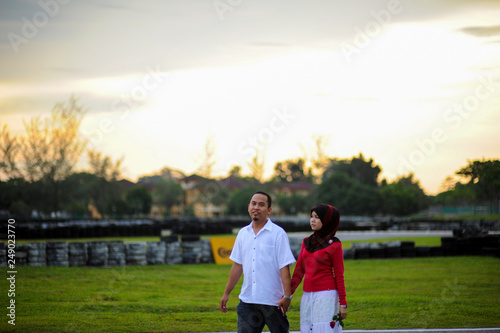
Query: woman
321, 264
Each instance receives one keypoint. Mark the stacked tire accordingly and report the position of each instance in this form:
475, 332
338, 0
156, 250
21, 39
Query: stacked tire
21, 255
361, 250
295, 245
173, 253
3, 254
77, 253
191, 252
136, 253
377, 250
97, 253
57, 254
207, 256
155, 254
36, 254
116, 253
408, 249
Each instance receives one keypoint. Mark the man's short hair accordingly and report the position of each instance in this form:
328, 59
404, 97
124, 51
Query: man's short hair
269, 200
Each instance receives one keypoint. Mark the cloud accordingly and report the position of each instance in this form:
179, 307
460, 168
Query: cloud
485, 31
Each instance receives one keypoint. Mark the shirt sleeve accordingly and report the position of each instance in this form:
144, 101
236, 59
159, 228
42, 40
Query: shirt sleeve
338, 268
285, 255
298, 272
236, 251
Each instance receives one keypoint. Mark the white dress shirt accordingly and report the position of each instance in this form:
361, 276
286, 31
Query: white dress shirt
262, 255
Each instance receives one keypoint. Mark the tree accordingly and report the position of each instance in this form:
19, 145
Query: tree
290, 171
319, 158
257, 163
109, 197
484, 175
294, 203
208, 158
403, 197
235, 171
348, 195
167, 193
82, 189
363, 171
237, 203
48, 151
9, 149
103, 167
459, 195
139, 200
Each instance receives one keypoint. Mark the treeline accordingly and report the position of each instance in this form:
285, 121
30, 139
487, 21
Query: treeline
38, 172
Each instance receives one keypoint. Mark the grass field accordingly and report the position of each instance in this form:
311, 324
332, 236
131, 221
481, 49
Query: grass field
404, 293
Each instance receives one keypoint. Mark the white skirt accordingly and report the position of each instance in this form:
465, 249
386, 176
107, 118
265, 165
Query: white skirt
317, 310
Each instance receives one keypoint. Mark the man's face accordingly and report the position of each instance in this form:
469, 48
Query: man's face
258, 208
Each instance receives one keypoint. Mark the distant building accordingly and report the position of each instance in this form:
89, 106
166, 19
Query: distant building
302, 187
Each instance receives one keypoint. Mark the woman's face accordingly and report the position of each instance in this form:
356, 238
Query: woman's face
316, 223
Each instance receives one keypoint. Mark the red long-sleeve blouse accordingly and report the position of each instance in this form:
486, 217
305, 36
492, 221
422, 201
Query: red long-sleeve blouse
316, 269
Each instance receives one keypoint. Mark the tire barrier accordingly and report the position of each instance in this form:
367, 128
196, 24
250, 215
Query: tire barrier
37, 254
393, 249
348, 254
3, 254
136, 253
155, 253
97, 253
173, 253
377, 250
21, 255
408, 249
193, 250
116, 253
89, 228
206, 252
57, 254
361, 250
77, 254
295, 245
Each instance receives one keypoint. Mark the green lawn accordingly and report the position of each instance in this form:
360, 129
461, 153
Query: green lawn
403, 293
419, 241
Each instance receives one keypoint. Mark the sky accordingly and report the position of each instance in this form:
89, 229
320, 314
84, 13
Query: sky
415, 85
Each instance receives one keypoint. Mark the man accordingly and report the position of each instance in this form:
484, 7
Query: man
262, 254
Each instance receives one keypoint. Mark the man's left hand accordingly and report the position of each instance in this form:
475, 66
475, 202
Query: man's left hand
284, 304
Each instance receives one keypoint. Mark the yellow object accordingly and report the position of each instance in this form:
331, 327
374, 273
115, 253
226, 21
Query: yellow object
221, 249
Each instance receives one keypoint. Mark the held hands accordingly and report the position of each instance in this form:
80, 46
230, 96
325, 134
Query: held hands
284, 304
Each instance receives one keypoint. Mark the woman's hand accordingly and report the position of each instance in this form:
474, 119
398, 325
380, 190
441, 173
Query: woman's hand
343, 312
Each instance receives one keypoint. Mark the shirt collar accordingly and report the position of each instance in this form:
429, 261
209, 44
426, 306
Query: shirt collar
268, 226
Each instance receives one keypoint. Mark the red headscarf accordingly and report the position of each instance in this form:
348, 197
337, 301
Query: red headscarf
330, 217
